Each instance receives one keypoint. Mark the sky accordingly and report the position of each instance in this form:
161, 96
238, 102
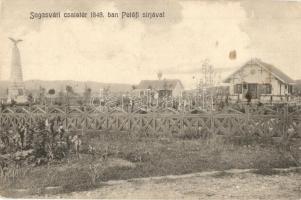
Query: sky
129, 50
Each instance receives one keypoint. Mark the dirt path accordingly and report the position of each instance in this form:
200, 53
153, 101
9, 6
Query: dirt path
233, 184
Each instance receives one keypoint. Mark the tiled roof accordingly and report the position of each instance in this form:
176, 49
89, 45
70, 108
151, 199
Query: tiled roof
165, 84
271, 68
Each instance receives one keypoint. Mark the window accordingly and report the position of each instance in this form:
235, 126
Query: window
266, 88
238, 89
290, 89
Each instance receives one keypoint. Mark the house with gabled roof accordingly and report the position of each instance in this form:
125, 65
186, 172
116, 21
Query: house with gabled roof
263, 81
160, 88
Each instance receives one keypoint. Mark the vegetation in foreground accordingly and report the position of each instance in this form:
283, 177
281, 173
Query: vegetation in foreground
108, 155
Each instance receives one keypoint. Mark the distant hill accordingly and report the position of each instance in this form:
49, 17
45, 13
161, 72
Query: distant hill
78, 86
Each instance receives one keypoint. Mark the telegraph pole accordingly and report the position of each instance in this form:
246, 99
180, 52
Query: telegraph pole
208, 73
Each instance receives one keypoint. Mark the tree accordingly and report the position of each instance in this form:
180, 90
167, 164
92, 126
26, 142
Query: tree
51, 92
41, 94
69, 91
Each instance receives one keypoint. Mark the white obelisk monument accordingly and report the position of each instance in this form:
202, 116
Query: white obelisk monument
16, 89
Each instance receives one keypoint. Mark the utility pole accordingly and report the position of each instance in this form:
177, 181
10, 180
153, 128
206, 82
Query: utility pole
208, 75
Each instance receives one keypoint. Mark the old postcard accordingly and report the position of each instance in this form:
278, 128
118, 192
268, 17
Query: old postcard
162, 99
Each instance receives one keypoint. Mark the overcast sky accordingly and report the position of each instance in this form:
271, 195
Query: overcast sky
128, 50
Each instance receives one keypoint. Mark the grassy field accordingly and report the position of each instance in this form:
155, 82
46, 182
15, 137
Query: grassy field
230, 184
121, 155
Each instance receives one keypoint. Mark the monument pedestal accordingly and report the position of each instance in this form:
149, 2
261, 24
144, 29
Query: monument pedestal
16, 92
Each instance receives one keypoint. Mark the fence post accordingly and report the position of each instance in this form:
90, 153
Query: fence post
30, 119
86, 118
154, 124
284, 122
182, 124
212, 123
141, 121
167, 124
66, 117
247, 114
130, 122
116, 122
107, 121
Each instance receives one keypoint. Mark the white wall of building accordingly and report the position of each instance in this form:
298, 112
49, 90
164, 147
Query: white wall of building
177, 91
256, 74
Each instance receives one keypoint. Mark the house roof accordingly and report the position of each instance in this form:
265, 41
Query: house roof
270, 68
165, 84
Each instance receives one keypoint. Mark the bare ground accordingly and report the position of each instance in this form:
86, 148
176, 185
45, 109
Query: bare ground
231, 184
136, 157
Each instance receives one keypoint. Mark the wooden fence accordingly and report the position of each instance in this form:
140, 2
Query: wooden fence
267, 122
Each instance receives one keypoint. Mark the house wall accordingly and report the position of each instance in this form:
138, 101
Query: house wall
177, 91
255, 74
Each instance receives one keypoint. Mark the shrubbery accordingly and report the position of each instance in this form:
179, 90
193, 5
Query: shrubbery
34, 146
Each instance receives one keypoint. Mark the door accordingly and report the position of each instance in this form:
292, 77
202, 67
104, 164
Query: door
252, 88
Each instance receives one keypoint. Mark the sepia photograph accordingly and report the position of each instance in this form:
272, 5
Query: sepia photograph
161, 99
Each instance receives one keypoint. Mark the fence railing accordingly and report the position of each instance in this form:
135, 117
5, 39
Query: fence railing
265, 122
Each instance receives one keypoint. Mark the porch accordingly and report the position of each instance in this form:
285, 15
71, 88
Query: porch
265, 98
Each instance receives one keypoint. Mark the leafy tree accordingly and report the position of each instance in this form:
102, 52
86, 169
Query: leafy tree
51, 92
69, 91
42, 94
